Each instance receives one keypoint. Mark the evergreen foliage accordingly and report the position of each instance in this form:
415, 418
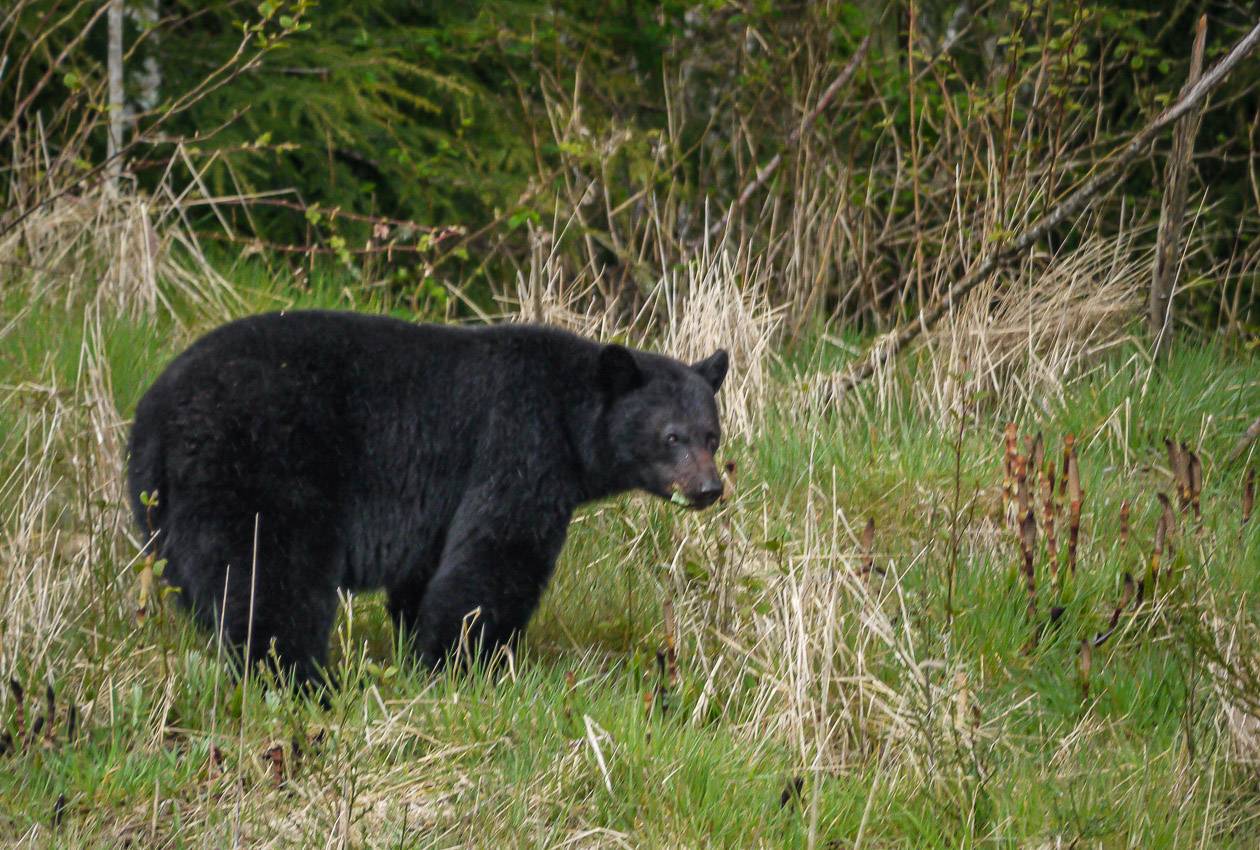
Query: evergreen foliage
636, 122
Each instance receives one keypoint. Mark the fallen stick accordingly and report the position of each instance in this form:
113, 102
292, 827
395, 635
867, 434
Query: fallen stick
888, 347
1253, 431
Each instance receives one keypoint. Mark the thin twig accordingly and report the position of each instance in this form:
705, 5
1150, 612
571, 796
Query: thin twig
331, 213
767, 171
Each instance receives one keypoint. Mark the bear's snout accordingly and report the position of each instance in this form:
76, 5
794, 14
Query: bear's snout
700, 483
710, 491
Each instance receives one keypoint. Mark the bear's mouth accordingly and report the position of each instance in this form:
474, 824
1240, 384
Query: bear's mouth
696, 502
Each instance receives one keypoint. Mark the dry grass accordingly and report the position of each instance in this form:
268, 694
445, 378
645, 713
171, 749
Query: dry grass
1022, 339
132, 252
64, 507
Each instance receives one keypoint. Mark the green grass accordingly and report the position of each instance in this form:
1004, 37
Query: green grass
903, 724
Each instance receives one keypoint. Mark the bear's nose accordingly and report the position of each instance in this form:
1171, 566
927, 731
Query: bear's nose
709, 492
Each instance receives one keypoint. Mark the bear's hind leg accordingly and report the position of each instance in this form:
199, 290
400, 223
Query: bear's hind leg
289, 586
292, 623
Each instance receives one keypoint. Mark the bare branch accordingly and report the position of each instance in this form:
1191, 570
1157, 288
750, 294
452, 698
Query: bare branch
767, 171
1252, 432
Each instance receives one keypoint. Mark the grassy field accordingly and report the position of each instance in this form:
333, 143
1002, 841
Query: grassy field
758, 675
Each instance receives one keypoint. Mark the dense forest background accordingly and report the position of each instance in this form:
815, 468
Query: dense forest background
425, 149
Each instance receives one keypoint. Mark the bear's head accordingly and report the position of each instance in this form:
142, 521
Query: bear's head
662, 423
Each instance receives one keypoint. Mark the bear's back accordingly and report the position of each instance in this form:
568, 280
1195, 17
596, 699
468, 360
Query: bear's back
369, 423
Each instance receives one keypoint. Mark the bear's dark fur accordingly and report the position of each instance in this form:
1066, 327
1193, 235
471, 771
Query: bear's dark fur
295, 453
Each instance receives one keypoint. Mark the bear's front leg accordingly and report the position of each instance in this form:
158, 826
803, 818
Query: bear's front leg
485, 590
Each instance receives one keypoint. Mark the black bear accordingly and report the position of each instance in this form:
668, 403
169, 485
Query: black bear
292, 454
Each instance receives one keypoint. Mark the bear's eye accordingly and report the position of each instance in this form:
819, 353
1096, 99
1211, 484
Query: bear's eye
671, 438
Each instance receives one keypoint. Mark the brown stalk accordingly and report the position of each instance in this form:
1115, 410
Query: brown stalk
19, 707
50, 707
1069, 447
791, 793
1125, 508
1126, 596
1008, 473
1022, 498
275, 757
1180, 467
1196, 487
663, 695
1028, 542
1047, 500
868, 547
1170, 518
1075, 494
1036, 453
1027, 533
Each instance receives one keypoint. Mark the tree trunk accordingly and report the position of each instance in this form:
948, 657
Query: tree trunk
1172, 211
117, 118
148, 82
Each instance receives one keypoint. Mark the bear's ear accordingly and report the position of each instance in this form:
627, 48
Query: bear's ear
617, 373
713, 368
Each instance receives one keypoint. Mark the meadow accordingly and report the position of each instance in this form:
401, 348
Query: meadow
769, 673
